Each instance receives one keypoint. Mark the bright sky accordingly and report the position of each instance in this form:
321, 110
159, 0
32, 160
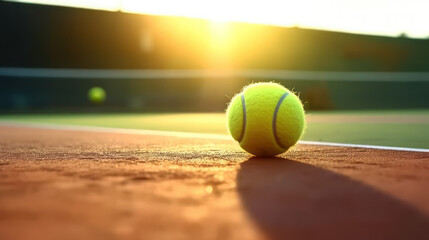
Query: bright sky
378, 17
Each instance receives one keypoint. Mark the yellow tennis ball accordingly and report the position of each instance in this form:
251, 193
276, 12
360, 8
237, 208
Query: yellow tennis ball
97, 95
266, 119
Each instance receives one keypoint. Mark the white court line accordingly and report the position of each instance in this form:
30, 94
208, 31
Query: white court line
183, 134
114, 130
365, 146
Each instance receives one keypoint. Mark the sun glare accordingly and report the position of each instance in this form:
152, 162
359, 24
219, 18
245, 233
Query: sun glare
220, 40
379, 17
219, 32
265, 12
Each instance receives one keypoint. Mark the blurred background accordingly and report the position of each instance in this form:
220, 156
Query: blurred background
193, 56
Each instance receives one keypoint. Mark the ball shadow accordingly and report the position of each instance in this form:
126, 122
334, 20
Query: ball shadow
294, 200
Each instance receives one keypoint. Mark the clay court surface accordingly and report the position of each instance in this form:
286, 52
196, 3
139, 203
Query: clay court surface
57, 184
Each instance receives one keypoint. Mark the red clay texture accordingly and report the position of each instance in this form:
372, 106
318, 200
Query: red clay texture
80, 185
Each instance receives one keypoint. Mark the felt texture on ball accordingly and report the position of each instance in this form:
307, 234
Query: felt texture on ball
97, 95
266, 119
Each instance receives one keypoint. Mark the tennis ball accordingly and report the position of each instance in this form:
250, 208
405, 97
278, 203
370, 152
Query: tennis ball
97, 95
266, 119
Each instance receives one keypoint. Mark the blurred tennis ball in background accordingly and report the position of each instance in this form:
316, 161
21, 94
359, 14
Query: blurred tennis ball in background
266, 119
97, 95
